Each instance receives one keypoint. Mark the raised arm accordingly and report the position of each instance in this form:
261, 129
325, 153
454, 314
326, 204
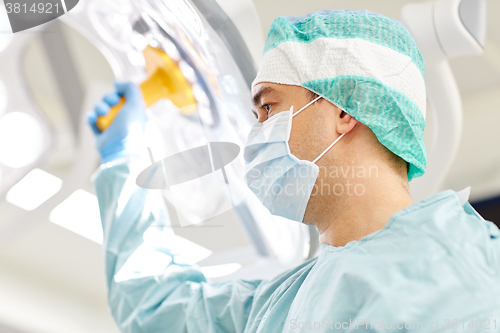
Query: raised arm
148, 291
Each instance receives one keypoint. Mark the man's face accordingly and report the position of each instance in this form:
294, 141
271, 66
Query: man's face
312, 130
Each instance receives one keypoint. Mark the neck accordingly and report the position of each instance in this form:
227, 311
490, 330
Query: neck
362, 209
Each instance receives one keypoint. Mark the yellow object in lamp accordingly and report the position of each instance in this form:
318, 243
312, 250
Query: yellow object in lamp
165, 81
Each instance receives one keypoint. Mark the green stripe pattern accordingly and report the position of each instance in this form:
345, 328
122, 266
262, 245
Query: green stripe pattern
392, 116
364, 25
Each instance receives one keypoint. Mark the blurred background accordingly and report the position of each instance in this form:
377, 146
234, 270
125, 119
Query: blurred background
51, 263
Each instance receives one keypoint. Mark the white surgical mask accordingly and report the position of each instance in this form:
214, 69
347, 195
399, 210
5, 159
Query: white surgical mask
281, 181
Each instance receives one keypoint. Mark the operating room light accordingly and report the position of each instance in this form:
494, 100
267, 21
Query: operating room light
21, 139
111, 20
34, 189
79, 213
220, 270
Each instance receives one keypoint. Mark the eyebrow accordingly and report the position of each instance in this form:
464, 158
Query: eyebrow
260, 93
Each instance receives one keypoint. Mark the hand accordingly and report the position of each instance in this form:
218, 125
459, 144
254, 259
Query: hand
125, 135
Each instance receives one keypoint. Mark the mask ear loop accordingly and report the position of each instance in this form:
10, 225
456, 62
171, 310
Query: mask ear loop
311, 102
327, 149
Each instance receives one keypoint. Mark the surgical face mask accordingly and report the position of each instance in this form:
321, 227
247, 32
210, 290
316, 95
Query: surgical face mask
281, 181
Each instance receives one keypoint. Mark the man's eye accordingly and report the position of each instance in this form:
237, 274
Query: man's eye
267, 107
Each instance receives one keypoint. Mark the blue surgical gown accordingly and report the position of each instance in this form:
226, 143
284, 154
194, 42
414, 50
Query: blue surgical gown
434, 267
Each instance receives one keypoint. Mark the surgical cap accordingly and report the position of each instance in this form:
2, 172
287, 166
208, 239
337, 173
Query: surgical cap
366, 64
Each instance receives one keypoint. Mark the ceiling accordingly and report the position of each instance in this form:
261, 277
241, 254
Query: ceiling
52, 280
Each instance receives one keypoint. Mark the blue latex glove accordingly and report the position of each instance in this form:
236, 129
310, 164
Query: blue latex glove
125, 135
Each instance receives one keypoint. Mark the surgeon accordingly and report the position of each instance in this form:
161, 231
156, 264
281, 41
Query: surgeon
340, 99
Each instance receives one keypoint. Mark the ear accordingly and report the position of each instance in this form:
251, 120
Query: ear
345, 122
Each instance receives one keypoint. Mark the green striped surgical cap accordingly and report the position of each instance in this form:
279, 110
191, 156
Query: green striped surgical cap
365, 63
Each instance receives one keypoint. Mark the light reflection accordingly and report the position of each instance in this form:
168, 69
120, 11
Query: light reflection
21, 139
34, 189
79, 213
220, 270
